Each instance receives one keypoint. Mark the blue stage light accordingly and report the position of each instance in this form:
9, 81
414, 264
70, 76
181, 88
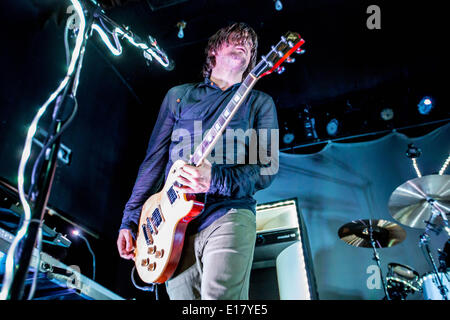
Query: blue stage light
425, 105
181, 25
333, 127
278, 5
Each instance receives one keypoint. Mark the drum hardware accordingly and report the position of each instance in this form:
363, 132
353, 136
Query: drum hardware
424, 244
443, 255
424, 203
430, 285
369, 234
402, 280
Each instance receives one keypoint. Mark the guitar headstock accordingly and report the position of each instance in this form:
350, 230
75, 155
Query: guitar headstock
289, 43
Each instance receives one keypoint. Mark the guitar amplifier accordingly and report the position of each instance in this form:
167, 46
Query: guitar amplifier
281, 252
277, 227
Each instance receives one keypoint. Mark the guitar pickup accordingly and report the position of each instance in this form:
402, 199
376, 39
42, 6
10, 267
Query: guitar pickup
156, 217
151, 226
172, 195
147, 235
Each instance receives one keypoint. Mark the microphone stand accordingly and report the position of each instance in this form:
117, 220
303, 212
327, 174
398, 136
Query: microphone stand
92, 10
45, 180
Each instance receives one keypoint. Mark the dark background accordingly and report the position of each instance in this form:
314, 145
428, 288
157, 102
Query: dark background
348, 71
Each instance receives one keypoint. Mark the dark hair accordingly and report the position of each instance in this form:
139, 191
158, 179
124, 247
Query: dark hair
236, 32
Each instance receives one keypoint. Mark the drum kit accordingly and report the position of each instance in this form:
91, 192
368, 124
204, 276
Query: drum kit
421, 203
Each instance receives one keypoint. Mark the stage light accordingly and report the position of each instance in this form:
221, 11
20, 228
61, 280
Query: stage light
288, 138
181, 25
76, 232
288, 135
309, 124
333, 127
387, 114
425, 105
278, 5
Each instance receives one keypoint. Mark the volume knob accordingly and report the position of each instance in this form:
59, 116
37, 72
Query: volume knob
151, 266
159, 254
144, 262
151, 250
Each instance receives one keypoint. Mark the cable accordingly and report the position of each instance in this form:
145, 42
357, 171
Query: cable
117, 50
92, 253
149, 52
150, 288
36, 271
104, 26
66, 36
10, 259
49, 143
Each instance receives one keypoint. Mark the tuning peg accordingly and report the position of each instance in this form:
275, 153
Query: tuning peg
300, 51
290, 60
280, 69
269, 63
278, 52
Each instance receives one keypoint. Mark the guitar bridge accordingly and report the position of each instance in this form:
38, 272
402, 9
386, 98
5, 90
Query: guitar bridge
147, 235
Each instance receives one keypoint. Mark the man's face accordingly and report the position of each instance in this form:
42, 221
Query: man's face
234, 54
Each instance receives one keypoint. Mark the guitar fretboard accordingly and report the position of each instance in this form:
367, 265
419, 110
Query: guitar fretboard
207, 144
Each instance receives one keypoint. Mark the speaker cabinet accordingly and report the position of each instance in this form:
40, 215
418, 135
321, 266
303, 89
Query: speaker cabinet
281, 242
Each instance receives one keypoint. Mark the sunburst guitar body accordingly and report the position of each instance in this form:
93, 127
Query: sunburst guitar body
162, 226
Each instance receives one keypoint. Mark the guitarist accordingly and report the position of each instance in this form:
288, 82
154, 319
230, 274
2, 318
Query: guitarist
219, 244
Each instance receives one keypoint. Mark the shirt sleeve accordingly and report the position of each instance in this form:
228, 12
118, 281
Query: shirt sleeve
245, 180
151, 171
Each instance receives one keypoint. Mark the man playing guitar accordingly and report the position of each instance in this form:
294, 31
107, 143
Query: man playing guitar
218, 248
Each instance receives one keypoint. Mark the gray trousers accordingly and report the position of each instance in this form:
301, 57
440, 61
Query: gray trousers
216, 262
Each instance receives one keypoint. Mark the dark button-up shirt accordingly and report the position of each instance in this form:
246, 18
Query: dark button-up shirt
186, 113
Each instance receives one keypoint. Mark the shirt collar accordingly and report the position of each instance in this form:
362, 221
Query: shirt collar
208, 82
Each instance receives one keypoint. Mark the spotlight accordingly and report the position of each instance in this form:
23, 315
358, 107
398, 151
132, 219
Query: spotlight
278, 5
181, 25
288, 135
288, 138
309, 124
425, 105
333, 127
387, 114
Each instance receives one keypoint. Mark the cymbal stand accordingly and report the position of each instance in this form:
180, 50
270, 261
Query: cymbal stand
436, 212
376, 258
423, 243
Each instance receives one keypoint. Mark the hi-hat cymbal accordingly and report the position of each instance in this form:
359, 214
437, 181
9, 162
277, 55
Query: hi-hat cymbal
385, 233
411, 203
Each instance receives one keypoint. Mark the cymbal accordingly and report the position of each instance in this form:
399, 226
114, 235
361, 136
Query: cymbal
411, 203
385, 233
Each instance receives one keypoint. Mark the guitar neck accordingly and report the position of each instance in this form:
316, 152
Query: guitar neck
208, 143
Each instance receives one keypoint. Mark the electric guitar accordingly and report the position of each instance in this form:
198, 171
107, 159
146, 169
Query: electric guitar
166, 214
